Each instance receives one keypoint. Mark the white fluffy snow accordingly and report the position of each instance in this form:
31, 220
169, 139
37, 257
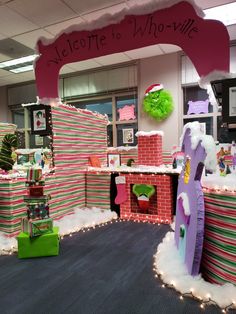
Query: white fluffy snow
162, 169
214, 76
186, 207
207, 143
14, 175
80, 219
149, 133
216, 182
122, 148
168, 264
7, 244
25, 151
83, 218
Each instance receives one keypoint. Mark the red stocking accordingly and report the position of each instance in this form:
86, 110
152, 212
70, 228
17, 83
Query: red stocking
121, 196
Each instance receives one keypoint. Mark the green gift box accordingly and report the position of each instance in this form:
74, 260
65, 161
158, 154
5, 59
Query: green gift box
44, 245
37, 227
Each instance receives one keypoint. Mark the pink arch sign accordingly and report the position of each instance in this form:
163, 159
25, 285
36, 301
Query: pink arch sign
206, 42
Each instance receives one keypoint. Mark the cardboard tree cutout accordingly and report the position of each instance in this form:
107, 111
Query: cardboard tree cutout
189, 229
178, 25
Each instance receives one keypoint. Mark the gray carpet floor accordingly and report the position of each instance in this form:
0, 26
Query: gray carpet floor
103, 271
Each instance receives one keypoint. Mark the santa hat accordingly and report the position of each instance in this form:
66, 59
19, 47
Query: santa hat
153, 88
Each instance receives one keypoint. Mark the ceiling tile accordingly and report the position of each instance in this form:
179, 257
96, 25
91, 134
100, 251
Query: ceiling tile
205, 4
3, 82
132, 3
144, 52
3, 2
3, 73
98, 13
82, 7
13, 49
84, 65
66, 69
59, 27
12, 23
8, 78
113, 59
28, 76
43, 12
169, 48
11, 78
232, 31
2, 36
30, 39
3, 57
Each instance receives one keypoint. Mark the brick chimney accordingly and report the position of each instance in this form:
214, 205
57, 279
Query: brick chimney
150, 148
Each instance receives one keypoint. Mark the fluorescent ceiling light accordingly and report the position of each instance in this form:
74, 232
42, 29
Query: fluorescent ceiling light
14, 62
224, 13
22, 69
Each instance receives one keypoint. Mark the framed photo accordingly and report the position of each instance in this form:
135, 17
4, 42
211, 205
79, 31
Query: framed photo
128, 136
22, 159
113, 160
40, 115
203, 127
38, 140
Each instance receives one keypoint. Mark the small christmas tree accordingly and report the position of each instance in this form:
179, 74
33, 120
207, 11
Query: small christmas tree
6, 161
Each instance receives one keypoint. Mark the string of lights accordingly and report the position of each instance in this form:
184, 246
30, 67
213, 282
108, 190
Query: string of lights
204, 302
86, 228
191, 293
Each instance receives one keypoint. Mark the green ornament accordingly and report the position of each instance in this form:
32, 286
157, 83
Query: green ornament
158, 105
130, 161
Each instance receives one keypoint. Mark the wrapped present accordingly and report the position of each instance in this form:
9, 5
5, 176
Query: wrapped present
34, 174
37, 227
34, 183
35, 200
37, 210
35, 190
45, 245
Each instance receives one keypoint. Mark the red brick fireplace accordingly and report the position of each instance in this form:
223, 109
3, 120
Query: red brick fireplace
161, 203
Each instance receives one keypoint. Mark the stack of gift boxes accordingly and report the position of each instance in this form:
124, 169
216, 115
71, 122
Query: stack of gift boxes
38, 237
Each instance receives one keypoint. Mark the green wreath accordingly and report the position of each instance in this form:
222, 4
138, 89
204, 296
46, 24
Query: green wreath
158, 105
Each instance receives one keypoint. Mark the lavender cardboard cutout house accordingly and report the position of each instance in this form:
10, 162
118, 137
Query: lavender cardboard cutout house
189, 228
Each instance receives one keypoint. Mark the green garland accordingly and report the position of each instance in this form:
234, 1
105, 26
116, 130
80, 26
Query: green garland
158, 105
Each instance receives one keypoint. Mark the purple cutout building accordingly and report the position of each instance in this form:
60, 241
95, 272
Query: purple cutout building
189, 226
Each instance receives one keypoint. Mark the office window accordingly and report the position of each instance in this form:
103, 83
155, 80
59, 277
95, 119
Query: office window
21, 117
197, 107
121, 109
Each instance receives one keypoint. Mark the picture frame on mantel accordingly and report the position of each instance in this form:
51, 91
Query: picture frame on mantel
113, 160
40, 119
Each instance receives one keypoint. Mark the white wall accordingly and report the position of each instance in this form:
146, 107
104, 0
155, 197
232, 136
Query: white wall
166, 70
22, 94
5, 114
